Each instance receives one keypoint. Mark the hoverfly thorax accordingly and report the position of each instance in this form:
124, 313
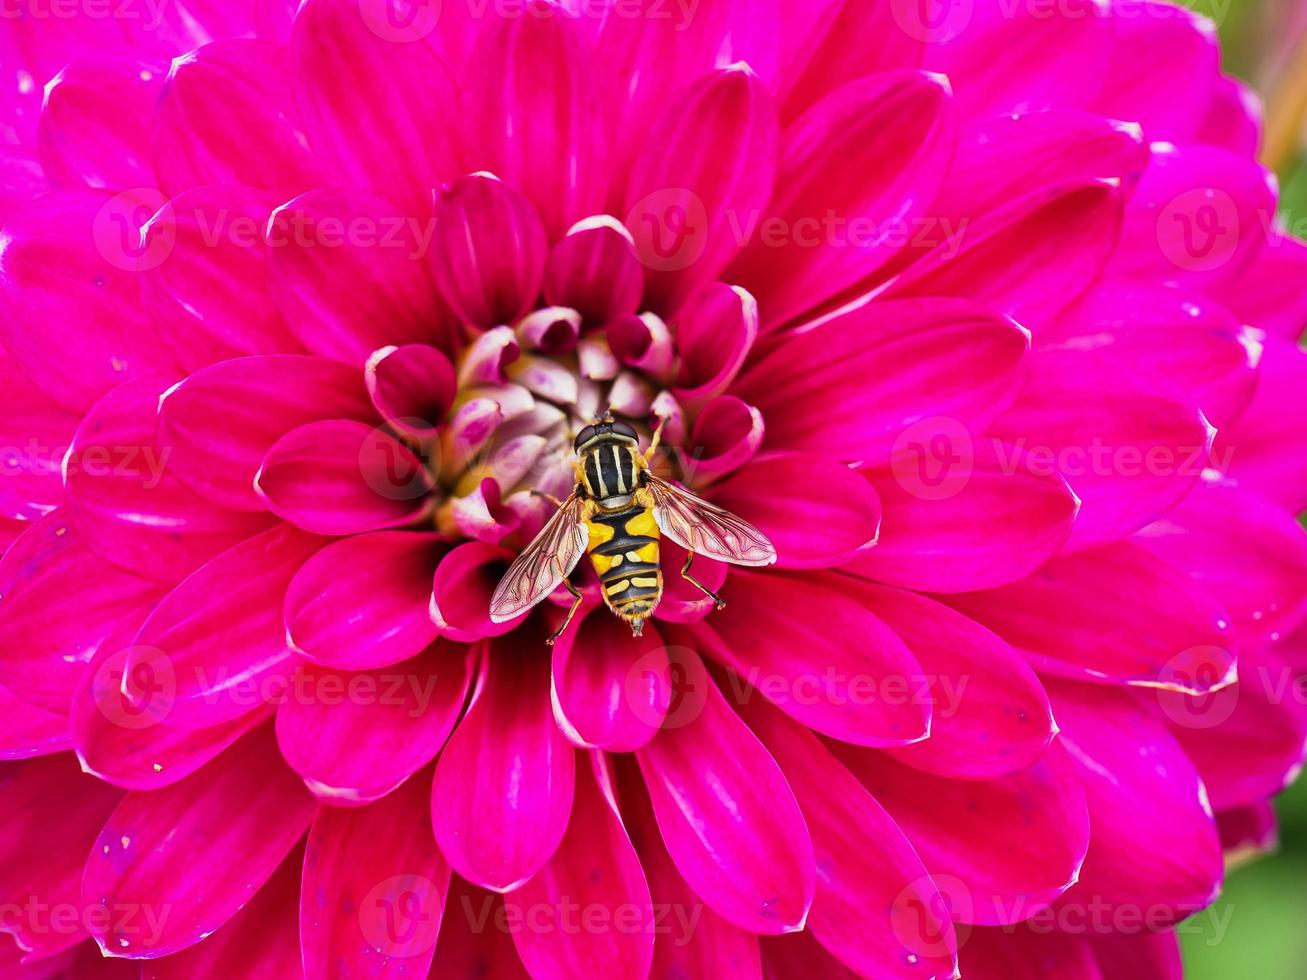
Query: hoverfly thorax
617, 514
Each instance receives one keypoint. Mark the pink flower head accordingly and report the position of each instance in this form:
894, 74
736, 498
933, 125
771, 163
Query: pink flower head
981, 318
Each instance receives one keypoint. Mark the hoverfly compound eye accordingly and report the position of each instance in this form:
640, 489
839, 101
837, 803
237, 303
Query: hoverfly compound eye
584, 436
622, 429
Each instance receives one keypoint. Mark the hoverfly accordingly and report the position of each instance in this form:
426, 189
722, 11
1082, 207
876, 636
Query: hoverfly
616, 514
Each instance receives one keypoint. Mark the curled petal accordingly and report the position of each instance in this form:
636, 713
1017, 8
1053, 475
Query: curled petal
715, 331
363, 602
714, 161
341, 477
219, 423
726, 435
1234, 118
464, 581
593, 270
610, 691
489, 250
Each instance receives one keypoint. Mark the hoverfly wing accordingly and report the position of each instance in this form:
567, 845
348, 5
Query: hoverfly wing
543, 564
707, 529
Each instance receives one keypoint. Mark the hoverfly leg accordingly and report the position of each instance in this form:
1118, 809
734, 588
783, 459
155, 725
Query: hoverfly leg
547, 496
576, 604
685, 574
657, 439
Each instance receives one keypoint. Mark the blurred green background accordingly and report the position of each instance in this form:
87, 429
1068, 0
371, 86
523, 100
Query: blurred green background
1259, 926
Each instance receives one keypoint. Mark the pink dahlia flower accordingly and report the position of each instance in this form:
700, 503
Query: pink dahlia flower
982, 318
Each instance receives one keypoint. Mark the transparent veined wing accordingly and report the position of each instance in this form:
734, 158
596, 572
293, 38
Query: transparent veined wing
543, 564
707, 529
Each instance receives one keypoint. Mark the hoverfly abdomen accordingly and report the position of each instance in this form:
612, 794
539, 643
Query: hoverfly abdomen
623, 548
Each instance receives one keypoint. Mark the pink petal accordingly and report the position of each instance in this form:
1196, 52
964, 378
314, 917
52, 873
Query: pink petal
342, 477
714, 331
125, 503
827, 44
95, 123
346, 60
1234, 118
1142, 955
504, 782
354, 737
226, 117
798, 954
22, 178
726, 814
412, 387
594, 271
53, 813
260, 942
1254, 451
489, 252
1062, 52
1246, 552
35, 432
1031, 257
817, 512
1187, 338
682, 602
1263, 294
129, 743
27, 731
726, 435
711, 163
533, 112
1141, 788
60, 603
988, 518
789, 637
1019, 848
363, 602
219, 423
1197, 218
693, 941
461, 591
648, 45
69, 260
374, 889
215, 648
1162, 72
610, 691
1001, 159
1129, 445
1247, 739
1031, 952
989, 713
596, 868
858, 171
864, 862
1249, 831
476, 935
209, 293
349, 271
1116, 613
931, 361
244, 811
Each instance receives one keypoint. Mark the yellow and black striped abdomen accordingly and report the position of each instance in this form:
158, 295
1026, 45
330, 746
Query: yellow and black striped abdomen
623, 548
